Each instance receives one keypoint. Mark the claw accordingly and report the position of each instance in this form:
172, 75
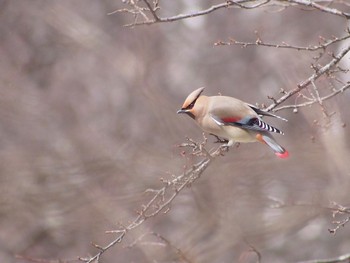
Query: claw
218, 139
224, 148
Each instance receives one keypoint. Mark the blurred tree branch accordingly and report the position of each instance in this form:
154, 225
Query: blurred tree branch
339, 210
163, 197
161, 241
342, 258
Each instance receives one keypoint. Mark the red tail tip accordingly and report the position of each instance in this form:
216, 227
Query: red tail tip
282, 155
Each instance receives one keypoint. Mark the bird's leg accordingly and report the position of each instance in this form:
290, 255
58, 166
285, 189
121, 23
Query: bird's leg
226, 143
218, 139
224, 147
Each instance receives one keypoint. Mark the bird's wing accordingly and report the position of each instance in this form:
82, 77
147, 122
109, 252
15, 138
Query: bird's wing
229, 111
265, 113
250, 123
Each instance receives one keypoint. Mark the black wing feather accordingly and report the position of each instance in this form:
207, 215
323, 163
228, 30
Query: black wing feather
249, 123
265, 113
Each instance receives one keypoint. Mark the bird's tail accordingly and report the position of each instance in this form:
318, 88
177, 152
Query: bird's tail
270, 141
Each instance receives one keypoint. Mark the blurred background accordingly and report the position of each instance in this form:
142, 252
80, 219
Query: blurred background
88, 122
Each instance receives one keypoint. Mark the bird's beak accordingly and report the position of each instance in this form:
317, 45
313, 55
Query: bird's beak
181, 111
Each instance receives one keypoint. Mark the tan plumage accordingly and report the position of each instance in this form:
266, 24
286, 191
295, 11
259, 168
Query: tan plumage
231, 119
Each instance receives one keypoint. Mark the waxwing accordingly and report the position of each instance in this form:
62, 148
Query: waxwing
232, 119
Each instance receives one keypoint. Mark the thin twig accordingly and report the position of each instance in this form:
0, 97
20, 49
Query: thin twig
311, 79
308, 103
156, 18
339, 210
258, 42
259, 4
227, 4
193, 14
159, 202
317, 6
163, 241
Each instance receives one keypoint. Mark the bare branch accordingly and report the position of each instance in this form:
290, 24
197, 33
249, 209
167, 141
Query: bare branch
162, 198
339, 210
156, 18
259, 42
258, 4
317, 6
311, 79
310, 102
244, 4
182, 16
238, 3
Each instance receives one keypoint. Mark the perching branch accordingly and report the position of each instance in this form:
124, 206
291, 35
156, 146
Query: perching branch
162, 197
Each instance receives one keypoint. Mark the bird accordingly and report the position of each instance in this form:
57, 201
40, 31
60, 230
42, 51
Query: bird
232, 119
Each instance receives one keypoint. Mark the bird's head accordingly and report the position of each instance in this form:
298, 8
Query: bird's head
189, 105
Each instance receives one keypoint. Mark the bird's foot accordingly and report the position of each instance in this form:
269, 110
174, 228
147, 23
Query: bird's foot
224, 147
219, 140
